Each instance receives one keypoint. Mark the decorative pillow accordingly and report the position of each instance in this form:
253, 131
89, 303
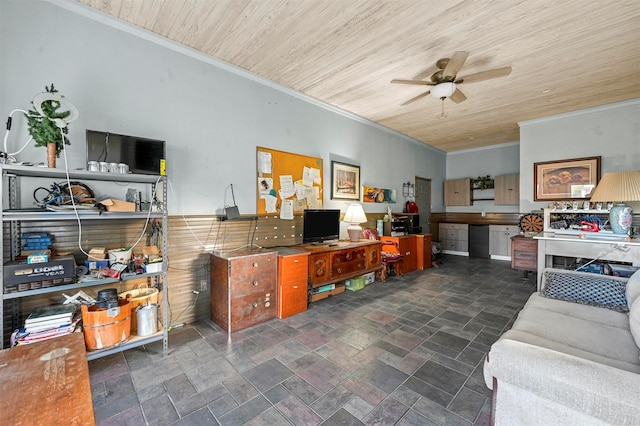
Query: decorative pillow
633, 288
634, 322
587, 289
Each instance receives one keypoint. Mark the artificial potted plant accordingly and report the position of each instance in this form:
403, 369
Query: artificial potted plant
45, 131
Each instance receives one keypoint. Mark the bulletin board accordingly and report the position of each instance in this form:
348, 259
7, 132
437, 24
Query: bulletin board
287, 183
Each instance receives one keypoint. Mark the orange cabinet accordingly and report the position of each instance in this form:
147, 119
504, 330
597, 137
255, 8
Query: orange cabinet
293, 267
407, 246
423, 251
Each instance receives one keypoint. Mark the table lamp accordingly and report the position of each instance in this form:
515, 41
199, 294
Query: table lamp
618, 187
355, 216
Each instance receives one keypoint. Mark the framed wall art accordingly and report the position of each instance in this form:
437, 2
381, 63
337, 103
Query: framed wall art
573, 179
345, 181
372, 194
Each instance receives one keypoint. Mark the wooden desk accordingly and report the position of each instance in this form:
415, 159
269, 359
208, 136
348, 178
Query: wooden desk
46, 383
590, 247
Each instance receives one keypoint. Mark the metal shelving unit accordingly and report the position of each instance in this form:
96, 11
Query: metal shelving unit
14, 216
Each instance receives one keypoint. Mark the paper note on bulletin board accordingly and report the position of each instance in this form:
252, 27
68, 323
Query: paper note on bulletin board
287, 183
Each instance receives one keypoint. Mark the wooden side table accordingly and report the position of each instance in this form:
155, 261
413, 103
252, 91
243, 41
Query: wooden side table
524, 254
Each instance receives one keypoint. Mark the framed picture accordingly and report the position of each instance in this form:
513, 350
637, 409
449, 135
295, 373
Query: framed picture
372, 194
566, 179
345, 181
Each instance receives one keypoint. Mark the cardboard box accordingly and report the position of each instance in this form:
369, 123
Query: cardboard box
96, 264
153, 267
22, 272
118, 205
39, 256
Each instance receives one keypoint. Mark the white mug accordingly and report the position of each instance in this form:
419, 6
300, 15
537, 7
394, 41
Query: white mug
113, 168
123, 168
104, 167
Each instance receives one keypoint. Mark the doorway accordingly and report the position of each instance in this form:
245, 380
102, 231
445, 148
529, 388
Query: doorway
423, 201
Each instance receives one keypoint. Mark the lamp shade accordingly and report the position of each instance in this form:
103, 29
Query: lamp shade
355, 214
618, 186
443, 90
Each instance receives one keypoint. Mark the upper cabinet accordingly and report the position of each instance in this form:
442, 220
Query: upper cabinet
457, 192
507, 189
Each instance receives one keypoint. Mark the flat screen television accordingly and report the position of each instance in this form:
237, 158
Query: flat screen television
320, 225
142, 155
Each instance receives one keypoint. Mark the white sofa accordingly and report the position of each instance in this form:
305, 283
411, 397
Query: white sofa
570, 363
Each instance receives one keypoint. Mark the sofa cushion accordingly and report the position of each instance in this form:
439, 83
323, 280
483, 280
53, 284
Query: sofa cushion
591, 337
633, 288
586, 312
588, 289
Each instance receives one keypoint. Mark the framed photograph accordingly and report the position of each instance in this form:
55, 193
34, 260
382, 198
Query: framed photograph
345, 181
566, 179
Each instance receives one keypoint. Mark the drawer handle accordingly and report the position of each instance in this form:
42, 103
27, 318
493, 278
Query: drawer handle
267, 304
255, 282
296, 261
254, 305
255, 264
295, 286
339, 270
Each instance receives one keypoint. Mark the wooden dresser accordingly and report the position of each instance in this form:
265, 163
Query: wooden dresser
243, 288
293, 269
330, 264
524, 253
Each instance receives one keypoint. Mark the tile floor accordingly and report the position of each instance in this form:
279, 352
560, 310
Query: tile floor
405, 352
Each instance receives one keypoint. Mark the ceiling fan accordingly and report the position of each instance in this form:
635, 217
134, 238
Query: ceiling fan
444, 78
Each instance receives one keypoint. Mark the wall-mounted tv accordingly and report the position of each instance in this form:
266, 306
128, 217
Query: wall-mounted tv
142, 155
320, 225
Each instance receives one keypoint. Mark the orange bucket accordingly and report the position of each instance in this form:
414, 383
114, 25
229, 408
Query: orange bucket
106, 328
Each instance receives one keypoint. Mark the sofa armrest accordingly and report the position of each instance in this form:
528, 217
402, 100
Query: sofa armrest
598, 390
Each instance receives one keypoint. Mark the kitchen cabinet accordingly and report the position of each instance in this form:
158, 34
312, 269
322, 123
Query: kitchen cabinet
293, 269
507, 189
454, 238
500, 240
243, 288
457, 192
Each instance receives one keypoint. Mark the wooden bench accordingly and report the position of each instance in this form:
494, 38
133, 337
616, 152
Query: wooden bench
46, 383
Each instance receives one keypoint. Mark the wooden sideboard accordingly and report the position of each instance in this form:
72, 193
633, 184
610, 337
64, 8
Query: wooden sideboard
331, 263
243, 288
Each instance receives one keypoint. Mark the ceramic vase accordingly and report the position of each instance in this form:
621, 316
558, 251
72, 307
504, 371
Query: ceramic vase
620, 218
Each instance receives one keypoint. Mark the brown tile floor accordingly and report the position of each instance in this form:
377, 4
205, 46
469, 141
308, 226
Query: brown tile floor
405, 352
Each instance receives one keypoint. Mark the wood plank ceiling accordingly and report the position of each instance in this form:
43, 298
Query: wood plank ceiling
565, 55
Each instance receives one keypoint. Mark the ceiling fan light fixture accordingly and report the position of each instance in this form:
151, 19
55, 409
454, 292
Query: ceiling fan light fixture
443, 90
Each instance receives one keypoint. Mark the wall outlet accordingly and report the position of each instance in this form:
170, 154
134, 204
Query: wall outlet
203, 285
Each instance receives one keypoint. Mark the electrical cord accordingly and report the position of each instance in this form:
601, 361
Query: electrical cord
6, 136
601, 255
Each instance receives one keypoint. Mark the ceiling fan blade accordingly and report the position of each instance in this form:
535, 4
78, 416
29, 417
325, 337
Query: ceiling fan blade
421, 95
426, 73
486, 75
458, 96
455, 63
418, 82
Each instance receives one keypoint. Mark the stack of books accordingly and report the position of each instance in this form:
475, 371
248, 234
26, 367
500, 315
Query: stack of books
47, 322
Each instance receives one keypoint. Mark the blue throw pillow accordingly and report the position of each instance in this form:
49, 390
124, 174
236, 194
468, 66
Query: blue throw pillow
588, 289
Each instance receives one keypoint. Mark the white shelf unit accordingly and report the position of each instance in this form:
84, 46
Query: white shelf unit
13, 217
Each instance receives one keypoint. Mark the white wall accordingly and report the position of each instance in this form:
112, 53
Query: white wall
610, 131
494, 161
125, 80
